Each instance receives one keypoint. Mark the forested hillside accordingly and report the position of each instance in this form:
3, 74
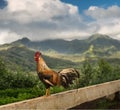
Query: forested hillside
21, 57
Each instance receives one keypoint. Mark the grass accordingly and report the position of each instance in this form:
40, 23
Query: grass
71, 57
19, 94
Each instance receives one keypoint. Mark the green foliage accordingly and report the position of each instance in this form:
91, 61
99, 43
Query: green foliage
22, 80
104, 71
16, 79
87, 71
2, 68
13, 95
99, 72
56, 89
3, 75
19, 94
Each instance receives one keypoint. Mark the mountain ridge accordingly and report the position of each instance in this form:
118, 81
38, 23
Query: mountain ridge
20, 54
73, 46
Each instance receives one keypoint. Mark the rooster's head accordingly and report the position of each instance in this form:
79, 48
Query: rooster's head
37, 56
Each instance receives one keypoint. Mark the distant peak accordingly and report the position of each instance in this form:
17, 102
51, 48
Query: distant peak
25, 39
100, 35
97, 35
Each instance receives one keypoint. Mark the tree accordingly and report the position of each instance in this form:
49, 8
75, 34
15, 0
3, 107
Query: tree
2, 68
17, 79
105, 71
3, 75
87, 72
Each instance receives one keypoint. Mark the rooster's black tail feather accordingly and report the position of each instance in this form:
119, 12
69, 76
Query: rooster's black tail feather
67, 76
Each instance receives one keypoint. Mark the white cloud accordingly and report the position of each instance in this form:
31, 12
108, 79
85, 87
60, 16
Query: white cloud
26, 11
111, 27
102, 13
48, 19
92, 8
39, 19
6, 36
106, 20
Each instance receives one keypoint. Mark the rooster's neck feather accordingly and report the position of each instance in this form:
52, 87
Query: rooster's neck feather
42, 66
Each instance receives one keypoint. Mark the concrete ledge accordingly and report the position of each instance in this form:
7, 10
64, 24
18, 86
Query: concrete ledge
68, 99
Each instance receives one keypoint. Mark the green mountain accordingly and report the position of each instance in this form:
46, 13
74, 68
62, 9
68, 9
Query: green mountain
21, 57
101, 44
102, 41
20, 54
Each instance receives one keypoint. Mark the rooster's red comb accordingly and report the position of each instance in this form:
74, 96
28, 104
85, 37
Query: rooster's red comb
37, 53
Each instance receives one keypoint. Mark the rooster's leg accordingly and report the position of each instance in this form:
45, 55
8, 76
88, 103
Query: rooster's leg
47, 92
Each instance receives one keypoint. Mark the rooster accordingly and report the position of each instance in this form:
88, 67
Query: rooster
52, 78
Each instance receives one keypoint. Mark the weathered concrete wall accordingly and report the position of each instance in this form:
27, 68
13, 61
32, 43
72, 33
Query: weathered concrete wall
67, 99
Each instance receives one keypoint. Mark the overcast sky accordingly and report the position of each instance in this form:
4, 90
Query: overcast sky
52, 19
